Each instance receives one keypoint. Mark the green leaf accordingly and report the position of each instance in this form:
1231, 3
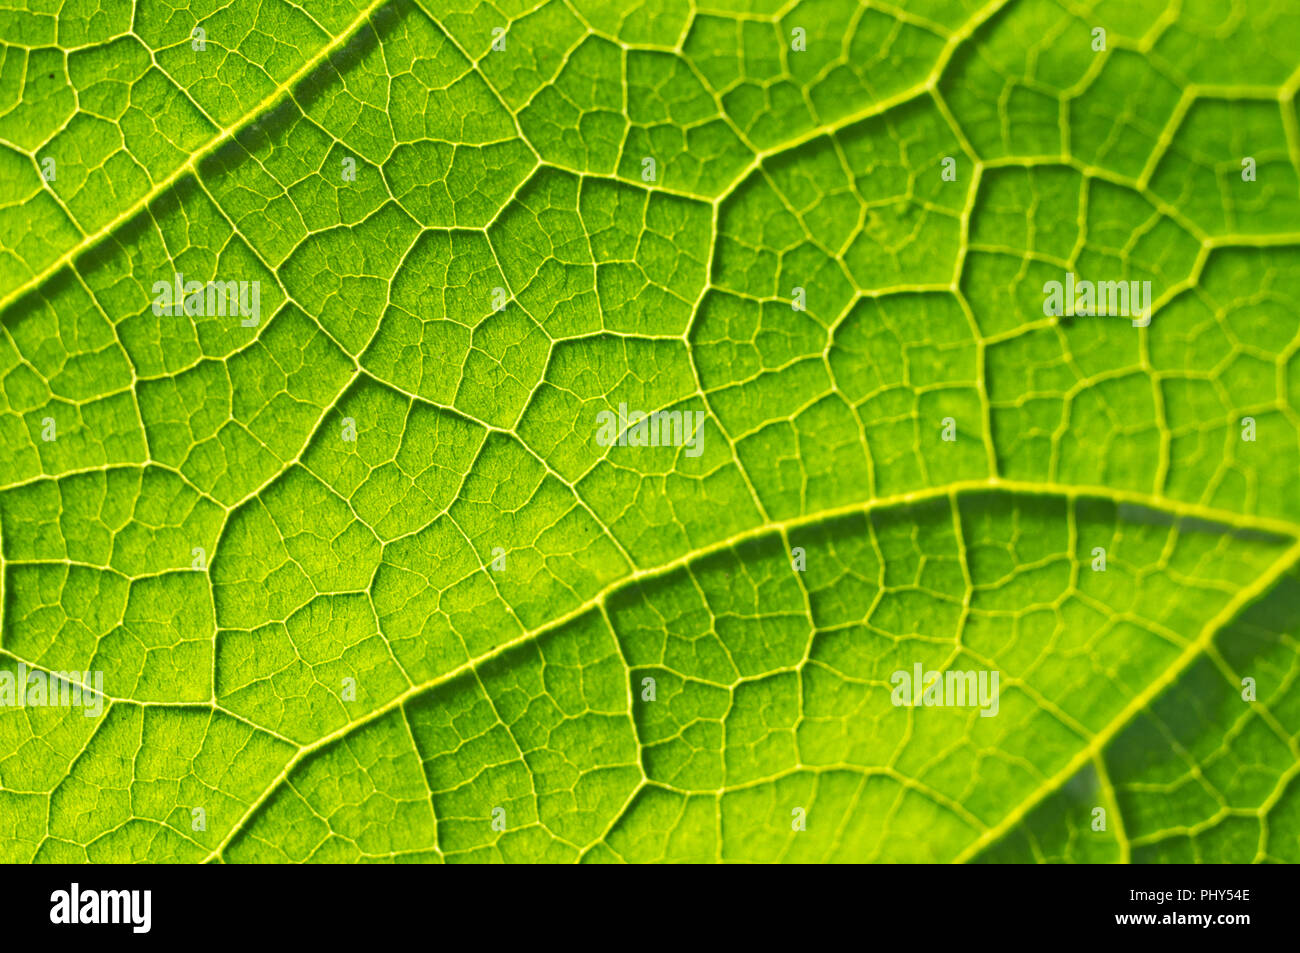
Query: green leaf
353, 574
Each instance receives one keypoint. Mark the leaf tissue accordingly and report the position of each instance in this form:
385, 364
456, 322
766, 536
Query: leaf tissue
579, 431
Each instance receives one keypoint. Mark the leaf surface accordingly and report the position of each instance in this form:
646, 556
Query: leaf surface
477, 632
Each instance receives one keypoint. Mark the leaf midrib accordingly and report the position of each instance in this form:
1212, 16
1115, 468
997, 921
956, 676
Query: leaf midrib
1279, 528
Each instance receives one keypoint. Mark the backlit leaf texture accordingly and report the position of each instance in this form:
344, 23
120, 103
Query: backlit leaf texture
840, 250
